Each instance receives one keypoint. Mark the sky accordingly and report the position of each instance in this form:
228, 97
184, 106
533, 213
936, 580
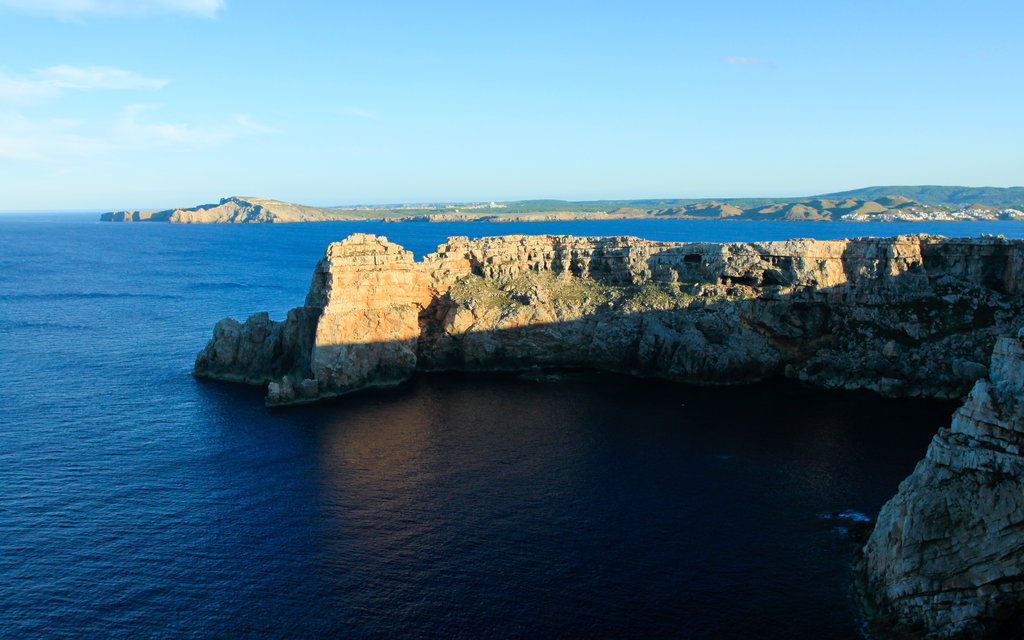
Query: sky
142, 104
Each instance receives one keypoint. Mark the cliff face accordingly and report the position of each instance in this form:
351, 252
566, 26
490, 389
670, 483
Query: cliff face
136, 216
912, 315
946, 557
370, 293
234, 210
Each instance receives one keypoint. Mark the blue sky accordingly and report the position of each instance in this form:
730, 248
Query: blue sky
110, 104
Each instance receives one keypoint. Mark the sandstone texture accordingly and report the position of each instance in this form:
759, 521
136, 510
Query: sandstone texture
906, 316
946, 556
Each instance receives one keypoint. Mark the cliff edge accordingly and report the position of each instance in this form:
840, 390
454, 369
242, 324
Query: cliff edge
910, 315
906, 316
946, 557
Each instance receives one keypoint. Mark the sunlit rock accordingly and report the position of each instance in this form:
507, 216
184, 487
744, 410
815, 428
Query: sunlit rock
910, 315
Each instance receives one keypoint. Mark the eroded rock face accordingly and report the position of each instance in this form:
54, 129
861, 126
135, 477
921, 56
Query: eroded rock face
911, 315
370, 293
946, 557
261, 350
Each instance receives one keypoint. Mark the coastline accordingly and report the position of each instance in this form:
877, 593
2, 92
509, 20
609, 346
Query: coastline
847, 314
249, 210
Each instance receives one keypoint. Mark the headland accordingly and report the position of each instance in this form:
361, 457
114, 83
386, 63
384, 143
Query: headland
872, 204
913, 315
906, 316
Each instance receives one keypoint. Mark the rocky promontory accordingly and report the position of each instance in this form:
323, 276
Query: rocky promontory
906, 316
946, 557
235, 210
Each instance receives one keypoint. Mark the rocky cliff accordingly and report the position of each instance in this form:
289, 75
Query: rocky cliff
911, 315
235, 210
136, 216
946, 556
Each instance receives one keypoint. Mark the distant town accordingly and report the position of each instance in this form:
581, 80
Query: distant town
931, 214
429, 206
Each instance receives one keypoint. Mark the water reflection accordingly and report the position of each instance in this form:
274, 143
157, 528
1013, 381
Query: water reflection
620, 506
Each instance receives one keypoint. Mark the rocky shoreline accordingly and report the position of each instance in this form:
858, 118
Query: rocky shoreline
946, 556
913, 315
905, 316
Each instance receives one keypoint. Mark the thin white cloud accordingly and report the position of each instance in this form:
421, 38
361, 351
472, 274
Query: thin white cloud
733, 60
23, 138
67, 77
359, 113
50, 83
23, 90
246, 122
136, 128
73, 8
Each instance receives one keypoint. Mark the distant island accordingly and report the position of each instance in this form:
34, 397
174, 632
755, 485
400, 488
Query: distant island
872, 204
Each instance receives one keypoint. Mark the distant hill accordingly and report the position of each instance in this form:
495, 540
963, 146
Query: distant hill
239, 210
882, 204
999, 197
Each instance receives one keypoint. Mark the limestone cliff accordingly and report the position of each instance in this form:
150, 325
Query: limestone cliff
136, 216
235, 210
946, 557
911, 315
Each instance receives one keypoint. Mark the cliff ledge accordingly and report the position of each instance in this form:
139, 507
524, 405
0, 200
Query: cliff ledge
911, 315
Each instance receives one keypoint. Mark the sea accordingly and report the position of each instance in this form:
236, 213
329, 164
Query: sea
139, 502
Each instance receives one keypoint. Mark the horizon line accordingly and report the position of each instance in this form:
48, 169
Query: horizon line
384, 205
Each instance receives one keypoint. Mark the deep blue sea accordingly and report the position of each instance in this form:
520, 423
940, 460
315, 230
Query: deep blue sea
137, 502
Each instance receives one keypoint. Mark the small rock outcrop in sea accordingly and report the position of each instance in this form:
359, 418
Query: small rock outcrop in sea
946, 557
906, 316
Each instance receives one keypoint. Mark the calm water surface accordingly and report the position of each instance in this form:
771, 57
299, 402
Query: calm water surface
138, 502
